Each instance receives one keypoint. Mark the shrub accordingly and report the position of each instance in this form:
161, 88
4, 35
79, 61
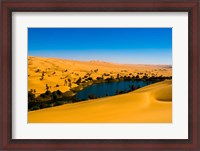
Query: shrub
43, 98
145, 77
68, 93
43, 95
78, 81
47, 87
35, 108
59, 103
90, 78
105, 74
76, 89
38, 70
70, 85
99, 78
48, 93
44, 105
55, 95
59, 92
65, 82
31, 104
111, 79
31, 96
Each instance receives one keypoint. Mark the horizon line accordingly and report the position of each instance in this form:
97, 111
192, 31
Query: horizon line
100, 61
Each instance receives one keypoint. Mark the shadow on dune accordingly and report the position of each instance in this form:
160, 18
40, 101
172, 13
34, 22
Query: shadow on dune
163, 94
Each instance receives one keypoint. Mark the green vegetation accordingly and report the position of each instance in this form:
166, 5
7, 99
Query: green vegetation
47, 99
50, 99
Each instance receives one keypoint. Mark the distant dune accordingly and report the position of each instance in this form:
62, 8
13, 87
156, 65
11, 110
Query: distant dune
152, 104
58, 72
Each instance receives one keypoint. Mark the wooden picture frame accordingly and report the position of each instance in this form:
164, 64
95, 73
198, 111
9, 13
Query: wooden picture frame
9, 6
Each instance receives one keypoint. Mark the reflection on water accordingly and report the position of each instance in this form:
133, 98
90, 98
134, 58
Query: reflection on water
109, 89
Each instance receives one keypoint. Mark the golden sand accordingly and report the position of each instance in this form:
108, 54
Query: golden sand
57, 72
150, 104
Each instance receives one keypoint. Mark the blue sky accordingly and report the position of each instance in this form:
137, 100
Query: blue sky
119, 45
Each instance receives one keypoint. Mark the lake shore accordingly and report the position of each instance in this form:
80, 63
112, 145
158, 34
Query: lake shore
64, 75
152, 104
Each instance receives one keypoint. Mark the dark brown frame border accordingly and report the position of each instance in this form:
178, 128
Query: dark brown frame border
9, 6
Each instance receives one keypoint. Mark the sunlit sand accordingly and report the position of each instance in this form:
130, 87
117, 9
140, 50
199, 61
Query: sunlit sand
57, 72
99, 85
150, 104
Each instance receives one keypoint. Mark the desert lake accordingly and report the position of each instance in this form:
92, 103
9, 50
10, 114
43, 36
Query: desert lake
99, 75
152, 103
104, 89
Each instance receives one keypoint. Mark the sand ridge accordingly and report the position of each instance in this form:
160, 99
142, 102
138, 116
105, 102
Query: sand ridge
150, 104
61, 74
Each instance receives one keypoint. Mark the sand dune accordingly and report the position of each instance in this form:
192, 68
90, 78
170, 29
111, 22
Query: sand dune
57, 72
152, 104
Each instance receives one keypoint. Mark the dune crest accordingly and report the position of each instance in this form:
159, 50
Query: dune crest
58, 72
150, 104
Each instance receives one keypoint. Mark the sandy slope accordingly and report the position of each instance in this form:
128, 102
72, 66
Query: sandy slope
59, 71
152, 104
